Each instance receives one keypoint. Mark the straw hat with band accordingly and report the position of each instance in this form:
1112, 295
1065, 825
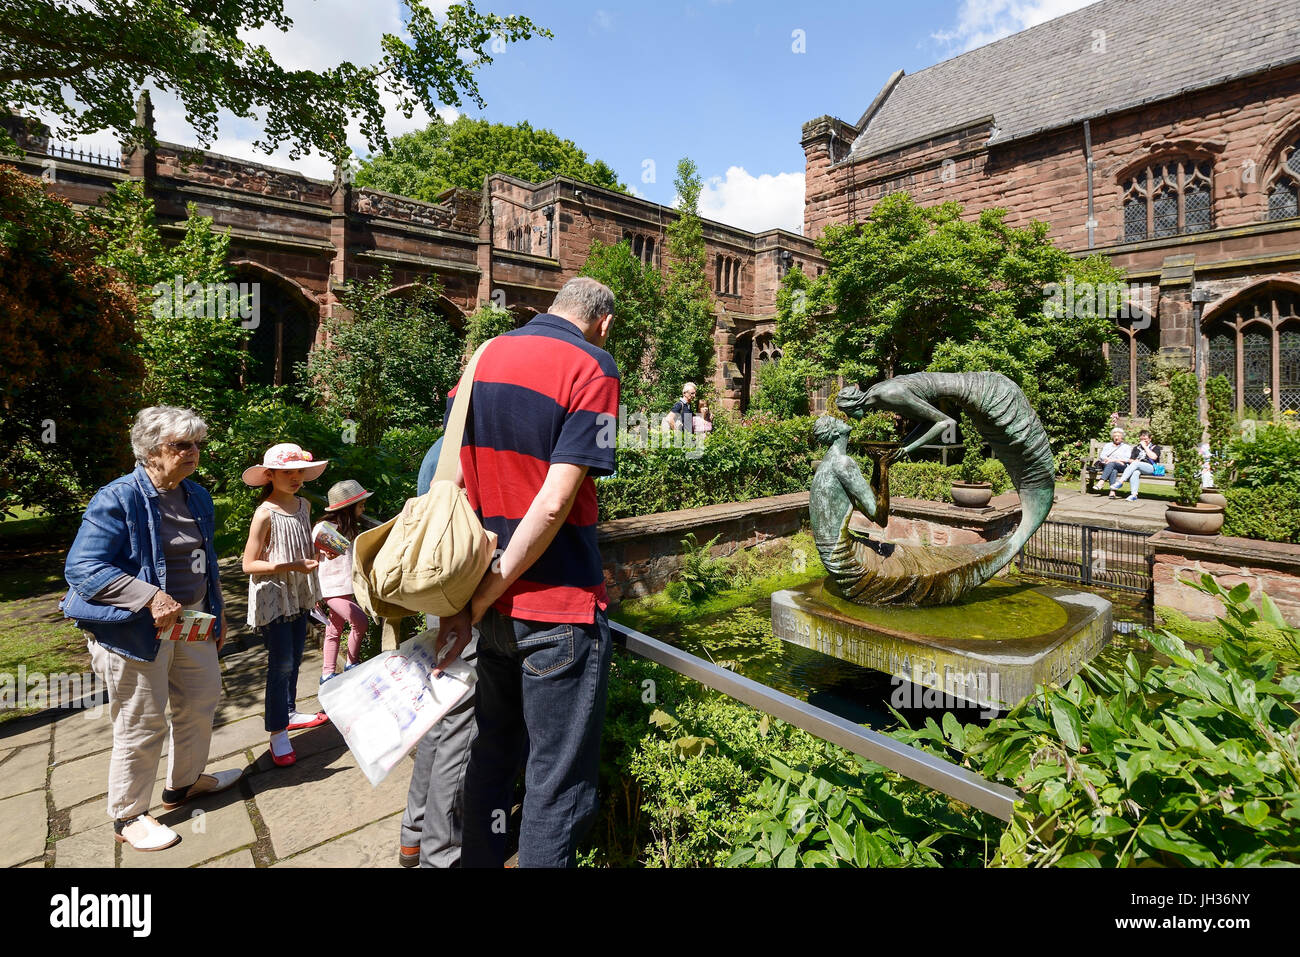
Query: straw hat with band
286, 455
345, 493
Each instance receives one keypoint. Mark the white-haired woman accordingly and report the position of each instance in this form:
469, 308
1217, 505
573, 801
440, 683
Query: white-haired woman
144, 555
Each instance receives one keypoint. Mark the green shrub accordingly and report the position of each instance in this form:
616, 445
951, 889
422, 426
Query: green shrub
1267, 455
700, 574
783, 387
972, 460
1219, 412
1185, 437
933, 482
1270, 513
737, 463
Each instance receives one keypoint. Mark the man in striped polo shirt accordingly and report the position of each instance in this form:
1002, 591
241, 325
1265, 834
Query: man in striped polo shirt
541, 425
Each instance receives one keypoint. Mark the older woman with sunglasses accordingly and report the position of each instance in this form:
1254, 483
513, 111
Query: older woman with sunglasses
144, 555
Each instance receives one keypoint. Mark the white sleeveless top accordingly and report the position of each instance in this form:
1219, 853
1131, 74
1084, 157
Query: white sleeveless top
289, 593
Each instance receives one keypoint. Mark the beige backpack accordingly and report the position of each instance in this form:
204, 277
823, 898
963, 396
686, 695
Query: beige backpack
430, 558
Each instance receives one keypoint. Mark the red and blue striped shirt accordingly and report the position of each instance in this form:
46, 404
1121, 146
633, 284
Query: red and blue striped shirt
542, 395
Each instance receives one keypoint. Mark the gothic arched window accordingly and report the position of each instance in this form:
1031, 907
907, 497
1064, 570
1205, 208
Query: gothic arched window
1256, 344
1167, 199
1284, 192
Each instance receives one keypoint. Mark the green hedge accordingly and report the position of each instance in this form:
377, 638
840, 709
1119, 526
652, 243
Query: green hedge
1270, 513
737, 462
933, 482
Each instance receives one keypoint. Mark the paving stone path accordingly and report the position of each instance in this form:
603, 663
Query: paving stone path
322, 812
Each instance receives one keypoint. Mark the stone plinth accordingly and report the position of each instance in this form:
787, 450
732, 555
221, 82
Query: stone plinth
1047, 636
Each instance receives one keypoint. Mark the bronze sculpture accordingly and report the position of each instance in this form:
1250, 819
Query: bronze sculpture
867, 571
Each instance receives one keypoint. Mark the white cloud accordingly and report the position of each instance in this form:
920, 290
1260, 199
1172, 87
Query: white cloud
754, 202
602, 22
983, 21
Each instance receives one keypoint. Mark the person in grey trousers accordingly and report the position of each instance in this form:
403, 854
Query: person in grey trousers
431, 826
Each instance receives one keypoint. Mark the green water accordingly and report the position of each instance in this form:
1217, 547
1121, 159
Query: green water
996, 610
741, 640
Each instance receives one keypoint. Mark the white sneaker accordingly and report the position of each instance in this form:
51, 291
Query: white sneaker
144, 833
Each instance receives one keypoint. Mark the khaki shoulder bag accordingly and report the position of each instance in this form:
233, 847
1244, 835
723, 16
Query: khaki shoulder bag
431, 557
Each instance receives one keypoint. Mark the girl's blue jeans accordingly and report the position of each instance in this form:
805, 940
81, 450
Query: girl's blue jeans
285, 640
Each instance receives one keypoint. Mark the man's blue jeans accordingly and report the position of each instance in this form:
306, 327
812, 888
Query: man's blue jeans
540, 704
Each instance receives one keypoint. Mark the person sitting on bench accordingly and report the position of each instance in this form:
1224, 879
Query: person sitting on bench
1114, 459
1144, 459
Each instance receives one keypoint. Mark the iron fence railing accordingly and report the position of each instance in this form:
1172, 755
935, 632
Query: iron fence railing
1090, 555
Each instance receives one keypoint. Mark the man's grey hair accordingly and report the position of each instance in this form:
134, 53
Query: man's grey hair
584, 300
162, 423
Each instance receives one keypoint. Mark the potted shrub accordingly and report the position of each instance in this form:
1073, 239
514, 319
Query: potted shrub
971, 491
1218, 402
1187, 515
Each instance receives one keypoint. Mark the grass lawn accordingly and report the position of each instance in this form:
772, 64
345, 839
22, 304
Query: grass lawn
1163, 493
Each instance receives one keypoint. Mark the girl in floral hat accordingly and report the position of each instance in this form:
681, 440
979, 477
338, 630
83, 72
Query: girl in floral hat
280, 561
347, 500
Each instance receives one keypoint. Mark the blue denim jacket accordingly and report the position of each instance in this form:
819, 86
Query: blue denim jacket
121, 534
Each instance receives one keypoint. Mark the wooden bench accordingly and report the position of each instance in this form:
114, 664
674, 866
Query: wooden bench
1090, 473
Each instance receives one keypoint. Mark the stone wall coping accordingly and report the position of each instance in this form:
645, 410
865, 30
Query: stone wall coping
378, 255
635, 526
1227, 550
247, 197
262, 237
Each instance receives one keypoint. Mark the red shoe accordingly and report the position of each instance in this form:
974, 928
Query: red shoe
284, 760
307, 721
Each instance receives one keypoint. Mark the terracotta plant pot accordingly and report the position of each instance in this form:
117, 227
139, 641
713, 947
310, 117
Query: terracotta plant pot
1213, 496
972, 494
1196, 519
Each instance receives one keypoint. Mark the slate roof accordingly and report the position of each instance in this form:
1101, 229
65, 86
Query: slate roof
1049, 75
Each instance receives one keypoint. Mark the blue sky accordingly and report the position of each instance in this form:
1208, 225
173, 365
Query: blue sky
721, 81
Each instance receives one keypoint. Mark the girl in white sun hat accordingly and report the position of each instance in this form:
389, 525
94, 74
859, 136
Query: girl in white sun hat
280, 561
347, 501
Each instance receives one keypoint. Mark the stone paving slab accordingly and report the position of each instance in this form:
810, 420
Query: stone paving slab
241, 735
374, 845
209, 827
21, 733
74, 782
238, 707
241, 858
323, 796
23, 828
93, 848
24, 770
79, 733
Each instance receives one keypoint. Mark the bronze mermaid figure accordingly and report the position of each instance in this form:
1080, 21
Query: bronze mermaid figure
869, 571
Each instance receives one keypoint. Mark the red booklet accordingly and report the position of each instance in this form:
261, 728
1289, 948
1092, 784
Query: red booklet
191, 626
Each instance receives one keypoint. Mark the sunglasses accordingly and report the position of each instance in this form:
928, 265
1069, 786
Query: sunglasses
186, 446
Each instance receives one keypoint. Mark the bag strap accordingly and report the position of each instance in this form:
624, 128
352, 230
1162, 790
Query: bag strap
455, 434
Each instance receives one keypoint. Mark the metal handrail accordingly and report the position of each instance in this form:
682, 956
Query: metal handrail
934, 772
944, 776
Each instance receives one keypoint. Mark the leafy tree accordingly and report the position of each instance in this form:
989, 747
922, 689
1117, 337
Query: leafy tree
920, 288
101, 51
388, 360
638, 321
427, 162
783, 387
192, 323
684, 350
69, 373
486, 322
